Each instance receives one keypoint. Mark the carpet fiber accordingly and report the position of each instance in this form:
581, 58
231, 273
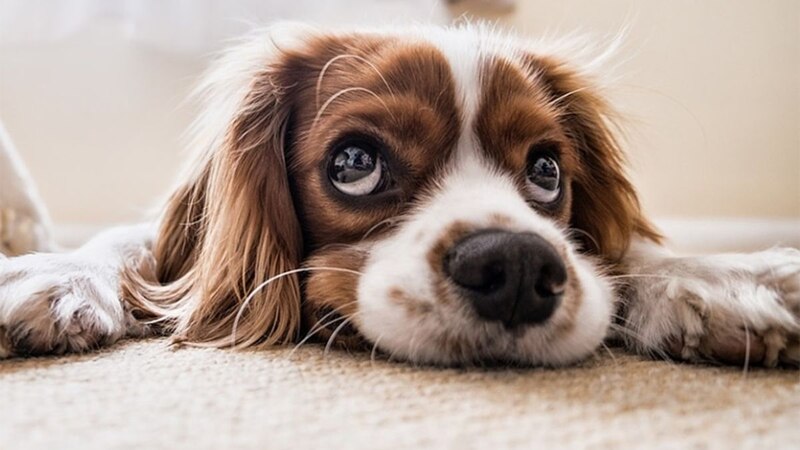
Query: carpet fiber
143, 394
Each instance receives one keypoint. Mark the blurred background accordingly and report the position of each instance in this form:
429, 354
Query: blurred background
93, 94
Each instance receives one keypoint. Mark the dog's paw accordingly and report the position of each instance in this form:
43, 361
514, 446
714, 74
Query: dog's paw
57, 303
736, 309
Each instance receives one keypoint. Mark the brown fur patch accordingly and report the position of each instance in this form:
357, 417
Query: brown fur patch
413, 306
542, 99
516, 114
330, 295
404, 98
436, 256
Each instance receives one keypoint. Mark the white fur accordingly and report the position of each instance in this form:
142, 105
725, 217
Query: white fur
67, 302
752, 299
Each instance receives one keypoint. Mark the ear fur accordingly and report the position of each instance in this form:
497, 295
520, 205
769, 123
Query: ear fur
604, 203
230, 231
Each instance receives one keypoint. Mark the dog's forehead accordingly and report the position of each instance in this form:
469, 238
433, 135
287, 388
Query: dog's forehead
426, 61
377, 76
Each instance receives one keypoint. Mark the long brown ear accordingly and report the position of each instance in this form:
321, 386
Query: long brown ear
230, 230
604, 203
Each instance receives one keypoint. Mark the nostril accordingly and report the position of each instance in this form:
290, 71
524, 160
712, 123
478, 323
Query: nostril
552, 279
475, 273
545, 290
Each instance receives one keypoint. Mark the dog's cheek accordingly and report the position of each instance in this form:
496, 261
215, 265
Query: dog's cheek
330, 303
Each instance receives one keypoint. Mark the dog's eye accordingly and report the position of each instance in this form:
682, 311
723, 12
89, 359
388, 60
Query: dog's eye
357, 169
544, 176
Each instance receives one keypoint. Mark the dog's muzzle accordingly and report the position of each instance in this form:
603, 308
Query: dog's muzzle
513, 278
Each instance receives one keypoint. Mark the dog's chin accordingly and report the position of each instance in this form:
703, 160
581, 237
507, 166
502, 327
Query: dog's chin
374, 305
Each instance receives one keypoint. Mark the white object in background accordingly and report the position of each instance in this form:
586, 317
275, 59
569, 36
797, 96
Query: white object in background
713, 235
24, 222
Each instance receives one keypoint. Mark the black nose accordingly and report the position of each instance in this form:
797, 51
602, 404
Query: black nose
514, 278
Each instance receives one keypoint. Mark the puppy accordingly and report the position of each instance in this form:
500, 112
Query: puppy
441, 195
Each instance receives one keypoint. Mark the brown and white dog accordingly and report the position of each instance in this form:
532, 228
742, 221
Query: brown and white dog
442, 195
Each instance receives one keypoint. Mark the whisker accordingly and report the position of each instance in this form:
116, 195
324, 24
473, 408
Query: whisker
374, 350
345, 91
335, 333
356, 57
320, 324
610, 353
746, 350
411, 342
261, 286
617, 316
747, 343
389, 221
557, 100
646, 275
585, 233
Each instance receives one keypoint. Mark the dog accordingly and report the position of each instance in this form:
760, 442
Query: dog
446, 196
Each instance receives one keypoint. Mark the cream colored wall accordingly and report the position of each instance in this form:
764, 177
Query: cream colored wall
712, 94
97, 121
712, 90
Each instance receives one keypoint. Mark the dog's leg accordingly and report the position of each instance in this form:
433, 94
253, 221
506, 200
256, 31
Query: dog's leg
730, 308
54, 303
24, 223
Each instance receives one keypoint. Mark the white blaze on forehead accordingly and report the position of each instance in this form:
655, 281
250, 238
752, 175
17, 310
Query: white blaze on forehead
464, 51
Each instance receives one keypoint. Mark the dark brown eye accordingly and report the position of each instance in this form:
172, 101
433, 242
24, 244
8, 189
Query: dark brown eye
544, 175
357, 169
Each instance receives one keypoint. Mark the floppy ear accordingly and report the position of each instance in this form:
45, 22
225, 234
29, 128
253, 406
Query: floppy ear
604, 202
231, 225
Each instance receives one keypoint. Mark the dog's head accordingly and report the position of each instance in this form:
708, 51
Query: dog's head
449, 191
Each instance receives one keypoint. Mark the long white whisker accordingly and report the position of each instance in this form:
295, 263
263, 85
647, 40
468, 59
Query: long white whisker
390, 220
335, 333
610, 353
646, 275
374, 350
336, 58
558, 100
319, 326
345, 91
586, 233
261, 286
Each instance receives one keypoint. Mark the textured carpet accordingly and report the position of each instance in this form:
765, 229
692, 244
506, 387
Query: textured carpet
145, 395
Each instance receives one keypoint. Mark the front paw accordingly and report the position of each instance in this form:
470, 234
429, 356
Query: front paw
735, 309
56, 303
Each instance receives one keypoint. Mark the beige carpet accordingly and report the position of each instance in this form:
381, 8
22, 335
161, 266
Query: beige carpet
146, 395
